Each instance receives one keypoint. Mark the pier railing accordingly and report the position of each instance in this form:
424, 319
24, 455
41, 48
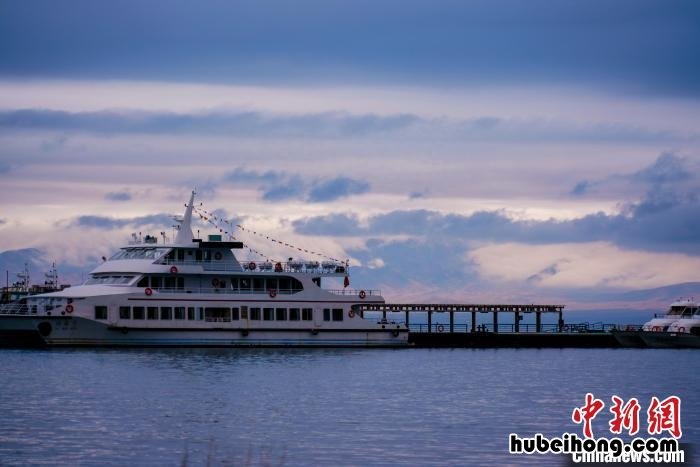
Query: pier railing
584, 327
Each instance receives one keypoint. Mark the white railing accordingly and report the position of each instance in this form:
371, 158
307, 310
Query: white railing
354, 292
308, 267
14, 309
212, 290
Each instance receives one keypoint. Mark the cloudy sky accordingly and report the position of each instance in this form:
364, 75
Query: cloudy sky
481, 150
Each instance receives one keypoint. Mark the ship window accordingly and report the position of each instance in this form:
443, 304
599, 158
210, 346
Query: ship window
245, 284
169, 283
143, 282
307, 314
217, 314
179, 312
234, 283
326, 314
255, 314
124, 312
258, 284
156, 282
244, 312
190, 313
294, 314
181, 255
166, 312
138, 312
234, 314
267, 314
284, 284
281, 314
152, 312
100, 312
198, 255
272, 283
337, 314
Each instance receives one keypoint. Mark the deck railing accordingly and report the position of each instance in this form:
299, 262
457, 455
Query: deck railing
310, 267
356, 292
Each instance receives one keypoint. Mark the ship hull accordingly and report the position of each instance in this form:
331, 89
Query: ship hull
670, 340
629, 338
33, 331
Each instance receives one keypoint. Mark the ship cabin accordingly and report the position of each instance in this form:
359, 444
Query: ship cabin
208, 267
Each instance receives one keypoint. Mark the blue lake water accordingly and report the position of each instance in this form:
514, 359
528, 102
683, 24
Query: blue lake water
316, 406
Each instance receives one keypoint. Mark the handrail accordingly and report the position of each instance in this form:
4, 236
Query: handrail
355, 292
307, 267
223, 290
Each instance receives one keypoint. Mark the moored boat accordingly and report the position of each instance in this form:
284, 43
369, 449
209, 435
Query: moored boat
195, 292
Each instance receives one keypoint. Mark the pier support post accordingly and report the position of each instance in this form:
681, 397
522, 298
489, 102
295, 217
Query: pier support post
430, 321
538, 321
473, 321
561, 321
517, 322
495, 321
452, 321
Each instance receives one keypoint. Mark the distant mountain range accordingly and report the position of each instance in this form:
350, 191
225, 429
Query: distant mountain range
656, 299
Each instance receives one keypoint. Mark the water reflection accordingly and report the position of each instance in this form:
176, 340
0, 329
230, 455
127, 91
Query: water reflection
313, 406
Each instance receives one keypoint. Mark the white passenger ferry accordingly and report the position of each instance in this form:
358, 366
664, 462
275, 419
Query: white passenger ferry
194, 292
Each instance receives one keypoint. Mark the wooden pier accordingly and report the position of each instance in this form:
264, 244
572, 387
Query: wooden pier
451, 308
516, 335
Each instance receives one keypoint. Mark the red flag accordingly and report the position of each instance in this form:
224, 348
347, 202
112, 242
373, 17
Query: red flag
347, 281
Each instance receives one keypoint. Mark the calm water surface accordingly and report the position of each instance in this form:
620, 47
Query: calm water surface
315, 407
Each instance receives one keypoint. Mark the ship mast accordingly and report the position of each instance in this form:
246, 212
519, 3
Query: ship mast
184, 234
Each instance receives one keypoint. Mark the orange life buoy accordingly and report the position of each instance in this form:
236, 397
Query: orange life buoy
252, 266
351, 314
278, 267
148, 291
173, 270
69, 308
272, 292
362, 294
440, 328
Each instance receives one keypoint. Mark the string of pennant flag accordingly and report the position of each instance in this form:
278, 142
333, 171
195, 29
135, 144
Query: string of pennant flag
228, 227
212, 220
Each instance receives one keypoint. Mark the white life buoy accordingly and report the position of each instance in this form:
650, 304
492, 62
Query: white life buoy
362, 294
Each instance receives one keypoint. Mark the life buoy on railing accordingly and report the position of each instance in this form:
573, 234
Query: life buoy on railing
278, 267
173, 270
148, 291
272, 292
215, 282
252, 265
681, 329
362, 294
351, 314
440, 328
69, 308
